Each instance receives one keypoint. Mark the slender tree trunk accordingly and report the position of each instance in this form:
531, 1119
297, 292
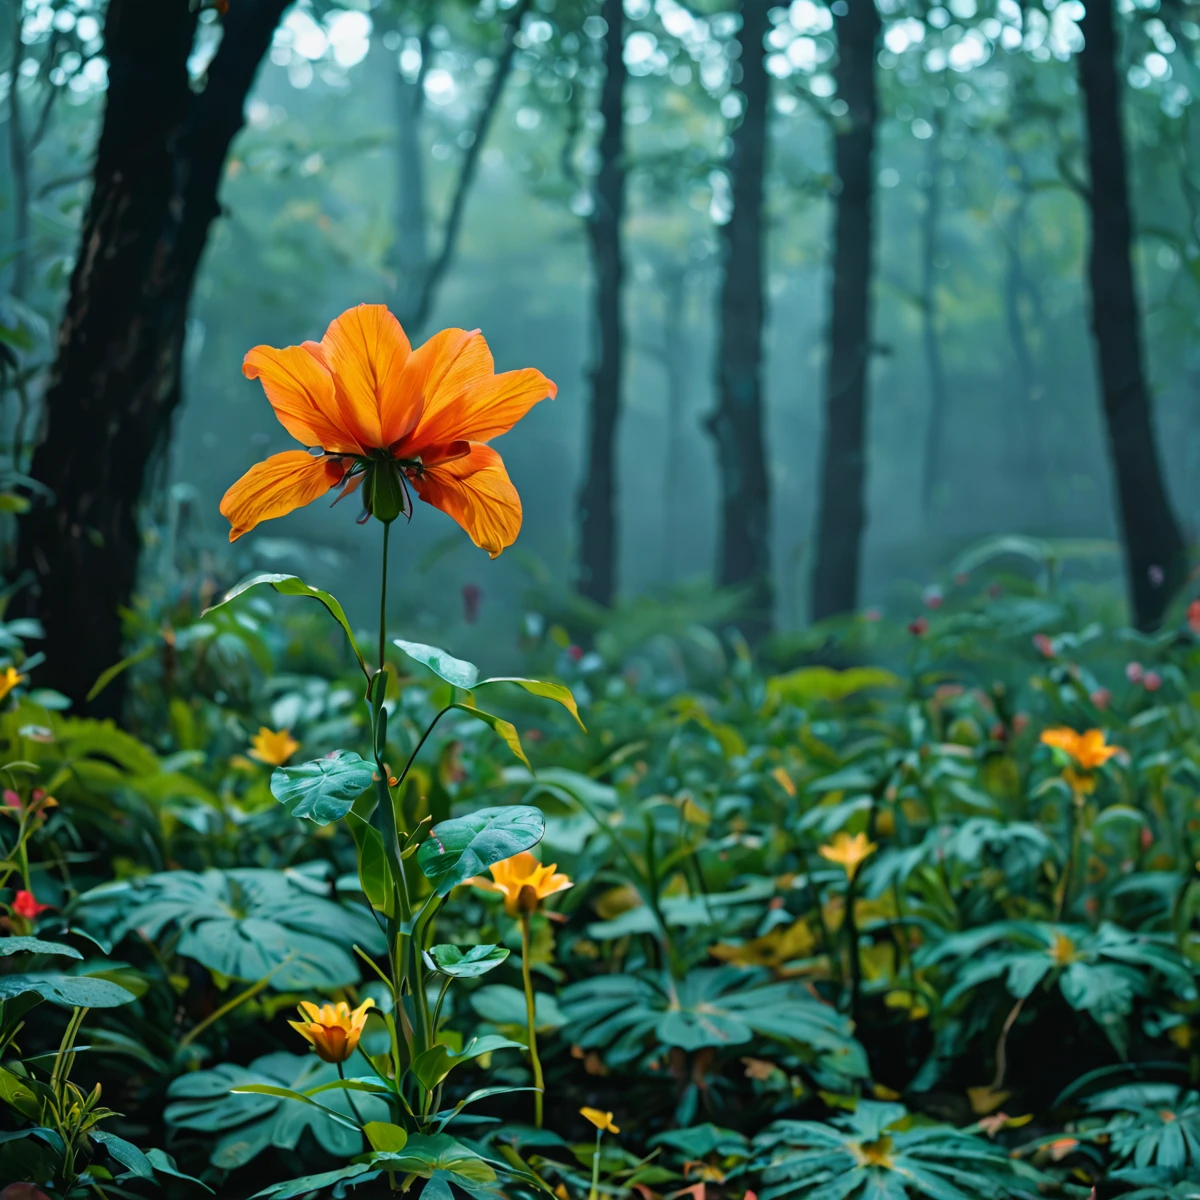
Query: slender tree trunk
18, 158
935, 369
426, 287
598, 497
116, 380
744, 533
410, 251
1155, 556
675, 367
841, 514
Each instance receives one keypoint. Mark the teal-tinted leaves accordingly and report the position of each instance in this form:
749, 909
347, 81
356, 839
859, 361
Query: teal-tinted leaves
464, 964
72, 991
311, 1185
438, 1061
458, 671
424, 1154
325, 789
33, 945
250, 1122
245, 924
458, 849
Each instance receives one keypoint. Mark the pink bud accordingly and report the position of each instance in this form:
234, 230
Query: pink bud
919, 627
933, 598
1134, 672
1020, 722
575, 653
872, 614
1101, 697
1193, 617
11, 799
1152, 681
1044, 644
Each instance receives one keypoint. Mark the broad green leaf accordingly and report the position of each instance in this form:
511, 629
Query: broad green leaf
126, 1153
458, 849
504, 1005
16, 1093
33, 945
164, 1164
374, 872
385, 1136
107, 676
291, 585
438, 1061
468, 964
459, 672
503, 729
823, 683
558, 692
75, 991
311, 1185
269, 1089
426, 1153
325, 789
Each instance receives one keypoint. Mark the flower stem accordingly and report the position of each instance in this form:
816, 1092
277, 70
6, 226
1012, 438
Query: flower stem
387, 530
350, 1098
595, 1191
531, 1019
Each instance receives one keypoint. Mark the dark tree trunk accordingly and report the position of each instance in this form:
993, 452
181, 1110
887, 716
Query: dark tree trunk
116, 380
675, 366
935, 368
424, 286
598, 496
841, 513
744, 532
1155, 556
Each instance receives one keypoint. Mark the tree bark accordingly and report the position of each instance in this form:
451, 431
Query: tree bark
410, 251
116, 380
19, 159
935, 368
744, 537
841, 514
1155, 556
597, 506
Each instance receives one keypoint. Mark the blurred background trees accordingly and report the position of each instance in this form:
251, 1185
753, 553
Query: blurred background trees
828, 289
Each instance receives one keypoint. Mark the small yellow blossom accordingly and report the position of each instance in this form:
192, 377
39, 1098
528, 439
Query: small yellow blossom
601, 1120
1089, 749
849, 852
273, 748
333, 1030
524, 882
10, 677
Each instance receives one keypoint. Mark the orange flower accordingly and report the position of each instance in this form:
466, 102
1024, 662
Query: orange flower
1087, 749
333, 1030
601, 1120
273, 748
849, 852
373, 411
10, 678
524, 882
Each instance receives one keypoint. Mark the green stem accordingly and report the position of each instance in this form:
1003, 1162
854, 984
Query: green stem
349, 1093
595, 1192
387, 530
531, 1019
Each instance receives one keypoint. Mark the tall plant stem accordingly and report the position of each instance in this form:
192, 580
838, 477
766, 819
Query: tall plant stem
531, 1019
387, 532
595, 1191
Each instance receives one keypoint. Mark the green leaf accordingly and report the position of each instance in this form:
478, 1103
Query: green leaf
426, 1153
558, 692
309, 1185
325, 789
504, 1005
438, 1061
445, 666
458, 849
291, 585
32, 945
503, 729
385, 1136
468, 964
16, 1093
126, 1153
107, 676
823, 683
164, 1164
374, 872
74, 991
270, 1089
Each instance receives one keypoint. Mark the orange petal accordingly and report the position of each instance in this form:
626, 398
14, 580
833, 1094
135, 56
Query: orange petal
476, 491
366, 350
456, 350
277, 486
302, 393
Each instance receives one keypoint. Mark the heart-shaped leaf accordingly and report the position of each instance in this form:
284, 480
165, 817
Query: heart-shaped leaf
385, 1136
445, 666
438, 1061
464, 847
465, 964
325, 789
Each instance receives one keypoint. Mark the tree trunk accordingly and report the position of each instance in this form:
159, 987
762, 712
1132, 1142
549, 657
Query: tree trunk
426, 281
675, 367
744, 533
19, 159
935, 369
597, 499
1155, 556
410, 251
116, 380
841, 513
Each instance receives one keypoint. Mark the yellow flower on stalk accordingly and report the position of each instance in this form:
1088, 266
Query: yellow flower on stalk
10, 678
1089, 750
524, 882
273, 747
601, 1120
333, 1030
849, 852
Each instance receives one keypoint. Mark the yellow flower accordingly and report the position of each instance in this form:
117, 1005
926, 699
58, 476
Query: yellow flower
524, 882
1087, 749
10, 677
601, 1120
333, 1030
773, 949
273, 748
849, 852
